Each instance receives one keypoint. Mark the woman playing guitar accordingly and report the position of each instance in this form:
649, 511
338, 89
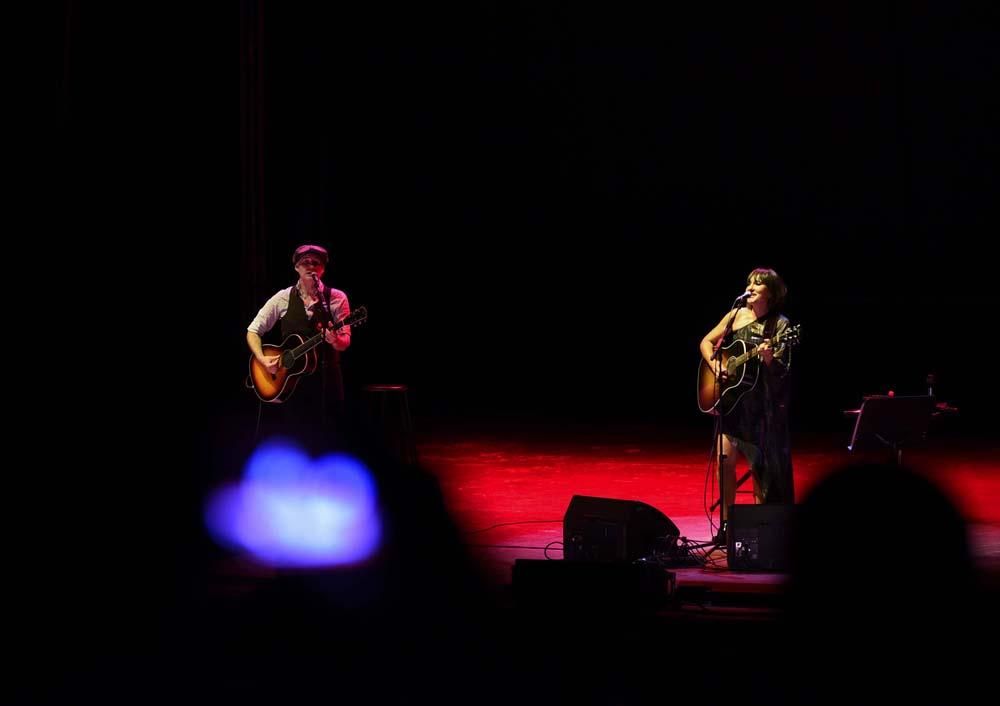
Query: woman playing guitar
756, 426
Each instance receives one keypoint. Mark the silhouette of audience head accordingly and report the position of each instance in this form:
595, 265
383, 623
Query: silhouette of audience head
882, 583
885, 525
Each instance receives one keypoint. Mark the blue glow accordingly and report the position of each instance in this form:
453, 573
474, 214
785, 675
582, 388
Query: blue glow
291, 511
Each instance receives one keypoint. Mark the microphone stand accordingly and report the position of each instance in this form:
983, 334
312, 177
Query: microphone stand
721, 538
323, 300
328, 319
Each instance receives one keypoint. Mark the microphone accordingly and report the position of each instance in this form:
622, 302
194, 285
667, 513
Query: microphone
325, 303
743, 297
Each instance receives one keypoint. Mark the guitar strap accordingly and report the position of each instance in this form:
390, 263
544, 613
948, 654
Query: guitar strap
770, 326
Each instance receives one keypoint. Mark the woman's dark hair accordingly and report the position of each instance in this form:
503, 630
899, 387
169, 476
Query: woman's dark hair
775, 286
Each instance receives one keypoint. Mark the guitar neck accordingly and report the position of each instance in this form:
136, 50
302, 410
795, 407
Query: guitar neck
752, 353
741, 359
311, 343
307, 346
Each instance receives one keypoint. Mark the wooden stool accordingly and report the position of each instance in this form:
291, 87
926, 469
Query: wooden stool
743, 479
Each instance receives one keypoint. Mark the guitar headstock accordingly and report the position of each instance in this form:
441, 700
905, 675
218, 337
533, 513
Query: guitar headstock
791, 335
356, 317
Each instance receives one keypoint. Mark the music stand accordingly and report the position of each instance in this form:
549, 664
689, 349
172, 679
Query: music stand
894, 421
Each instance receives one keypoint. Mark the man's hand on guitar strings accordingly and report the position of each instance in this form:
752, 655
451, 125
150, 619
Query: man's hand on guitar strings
271, 363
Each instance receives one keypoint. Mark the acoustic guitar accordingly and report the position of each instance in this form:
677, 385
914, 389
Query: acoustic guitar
742, 371
298, 358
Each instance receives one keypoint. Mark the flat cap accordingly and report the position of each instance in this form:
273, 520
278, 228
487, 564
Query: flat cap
317, 251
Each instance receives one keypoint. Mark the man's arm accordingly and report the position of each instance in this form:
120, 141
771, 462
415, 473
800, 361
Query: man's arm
341, 338
262, 323
253, 341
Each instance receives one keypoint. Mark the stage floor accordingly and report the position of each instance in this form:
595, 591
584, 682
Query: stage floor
508, 491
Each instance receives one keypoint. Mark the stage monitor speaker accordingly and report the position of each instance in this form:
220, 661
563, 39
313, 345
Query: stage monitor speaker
612, 530
758, 537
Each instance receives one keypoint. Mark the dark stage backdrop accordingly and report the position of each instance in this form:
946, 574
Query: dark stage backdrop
546, 207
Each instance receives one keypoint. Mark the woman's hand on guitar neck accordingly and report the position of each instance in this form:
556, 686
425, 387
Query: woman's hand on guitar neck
766, 352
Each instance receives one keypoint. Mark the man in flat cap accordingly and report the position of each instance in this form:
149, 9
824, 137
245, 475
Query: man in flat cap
310, 409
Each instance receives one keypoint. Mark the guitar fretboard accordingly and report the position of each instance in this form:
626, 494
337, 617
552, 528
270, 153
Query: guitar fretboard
752, 353
354, 317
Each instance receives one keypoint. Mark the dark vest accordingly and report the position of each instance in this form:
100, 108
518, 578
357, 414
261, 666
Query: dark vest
296, 321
